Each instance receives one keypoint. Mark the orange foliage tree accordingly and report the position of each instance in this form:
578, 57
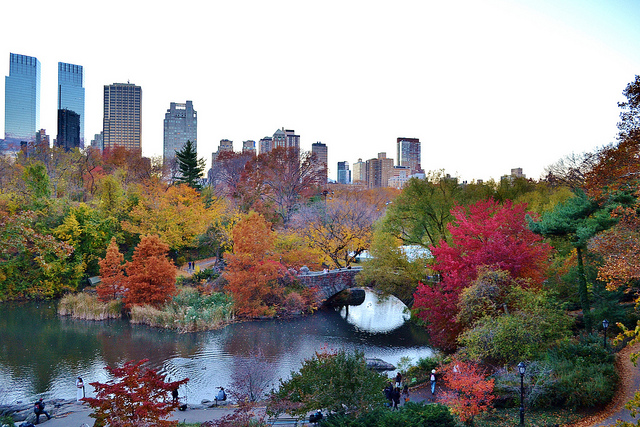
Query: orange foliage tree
112, 279
151, 276
252, 270
468, 391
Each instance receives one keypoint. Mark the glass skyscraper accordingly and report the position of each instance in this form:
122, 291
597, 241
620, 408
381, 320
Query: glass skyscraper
22, 102
70, 98
180, 126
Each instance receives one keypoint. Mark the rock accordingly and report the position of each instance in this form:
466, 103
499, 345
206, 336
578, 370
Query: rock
379, 364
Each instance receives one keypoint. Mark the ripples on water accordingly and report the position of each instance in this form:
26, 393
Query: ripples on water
41, 354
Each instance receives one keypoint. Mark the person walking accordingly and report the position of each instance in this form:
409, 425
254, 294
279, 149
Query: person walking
399, 380
38, 409
80, 389
433, 381
396, 398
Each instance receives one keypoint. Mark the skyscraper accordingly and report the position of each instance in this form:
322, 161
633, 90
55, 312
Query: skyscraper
121, 121
180, 126
409, 154
71, 96
379, 171
22, 102
68, 129
344, 174
360, 172
249, 146
321, 153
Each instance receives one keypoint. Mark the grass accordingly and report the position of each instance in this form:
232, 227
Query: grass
188, 311
88, 307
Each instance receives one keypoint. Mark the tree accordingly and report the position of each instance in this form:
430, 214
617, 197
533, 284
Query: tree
251, 379
252, 270
191, 168
577, 220
340, 228
176, 213
468, 392
484, 234
112, 279
281, 178
630, 116
390, 269
337, 381
151, 276
135, 397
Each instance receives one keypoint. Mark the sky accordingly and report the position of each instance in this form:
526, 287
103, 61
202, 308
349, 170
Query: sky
486, 85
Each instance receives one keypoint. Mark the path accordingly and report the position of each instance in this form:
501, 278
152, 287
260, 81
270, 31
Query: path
200, 263
629, 384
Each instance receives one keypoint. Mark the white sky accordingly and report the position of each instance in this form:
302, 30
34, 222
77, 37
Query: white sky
486, 85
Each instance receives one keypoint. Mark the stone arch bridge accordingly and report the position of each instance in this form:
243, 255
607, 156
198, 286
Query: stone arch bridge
329, 283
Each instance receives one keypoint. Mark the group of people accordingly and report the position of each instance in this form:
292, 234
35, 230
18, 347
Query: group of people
395, 393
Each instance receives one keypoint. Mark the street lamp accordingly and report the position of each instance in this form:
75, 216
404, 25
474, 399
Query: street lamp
605, 325
522, 368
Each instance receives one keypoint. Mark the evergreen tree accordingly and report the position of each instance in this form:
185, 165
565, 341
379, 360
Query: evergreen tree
191, 168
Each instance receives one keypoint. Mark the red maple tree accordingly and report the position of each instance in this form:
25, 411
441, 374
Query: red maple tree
151, 276
484, 234
468, 392
112, 279
135, 397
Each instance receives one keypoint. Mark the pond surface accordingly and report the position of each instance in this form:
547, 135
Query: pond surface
42, 353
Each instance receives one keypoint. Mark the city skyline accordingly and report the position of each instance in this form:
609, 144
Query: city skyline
486, 86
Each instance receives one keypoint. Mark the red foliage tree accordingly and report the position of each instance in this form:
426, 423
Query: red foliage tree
151, 276
112, 279
484, 234
468, 391
135, 397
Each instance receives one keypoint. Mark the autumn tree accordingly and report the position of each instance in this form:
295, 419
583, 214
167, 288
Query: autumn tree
630, 115
484, 234
191, 168
176, 213
340, 228
282, 178
226, 172
136, 396
467, 391
151, 276
112, 279
252, 270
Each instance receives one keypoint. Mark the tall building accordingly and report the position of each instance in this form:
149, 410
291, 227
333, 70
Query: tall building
359, 172
71, 95
344, 174
22, 102
409, 153
292, 140
266, 144
121, 119
180, 126
320, 151
97, 141
379, 171
249, 146
68, 129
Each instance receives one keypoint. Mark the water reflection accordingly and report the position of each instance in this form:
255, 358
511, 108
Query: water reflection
374, 315
41, 354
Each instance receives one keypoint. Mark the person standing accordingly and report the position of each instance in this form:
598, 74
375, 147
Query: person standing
79, 389
433, 381
399, 380
405, 393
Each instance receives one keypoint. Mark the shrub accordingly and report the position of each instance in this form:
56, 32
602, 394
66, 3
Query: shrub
411, 415
88, 307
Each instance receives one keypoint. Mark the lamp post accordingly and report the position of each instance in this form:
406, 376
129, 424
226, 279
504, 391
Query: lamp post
605, 325
521, 368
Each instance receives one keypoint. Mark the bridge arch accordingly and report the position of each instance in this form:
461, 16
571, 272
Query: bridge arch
329, 283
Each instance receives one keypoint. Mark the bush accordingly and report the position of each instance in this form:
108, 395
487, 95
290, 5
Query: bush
7, 420
188, 311
88, 307
411, 415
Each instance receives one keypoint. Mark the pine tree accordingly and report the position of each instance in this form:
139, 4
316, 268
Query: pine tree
191, 168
